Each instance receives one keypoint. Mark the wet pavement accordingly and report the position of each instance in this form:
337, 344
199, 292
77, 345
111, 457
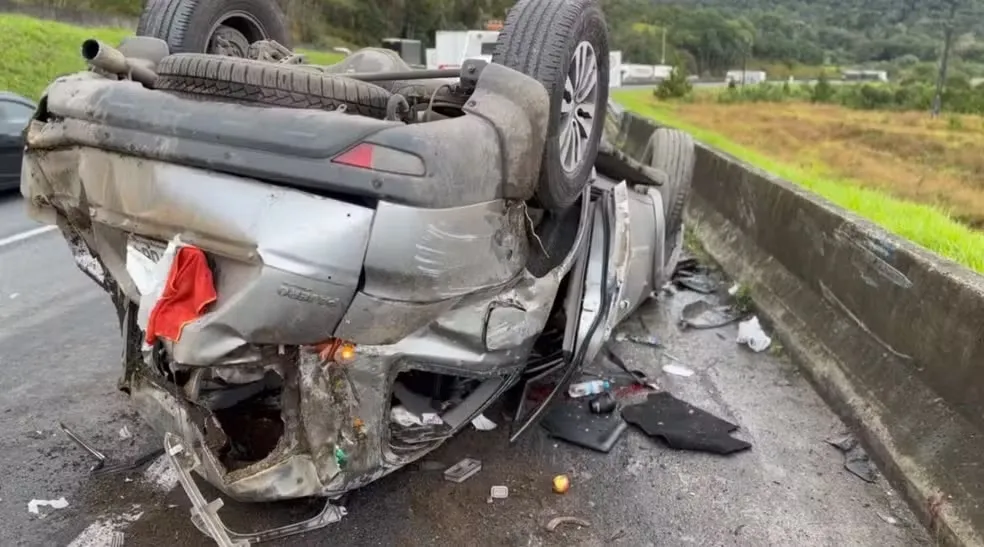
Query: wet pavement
58, 362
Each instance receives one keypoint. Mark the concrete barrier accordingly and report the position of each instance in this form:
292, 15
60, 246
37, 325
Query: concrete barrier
891, 334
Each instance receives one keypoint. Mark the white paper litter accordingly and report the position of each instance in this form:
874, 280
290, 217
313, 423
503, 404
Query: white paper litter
125, 433
678, 370
34, 506
750, 333
404, 417
482, 423
156, 280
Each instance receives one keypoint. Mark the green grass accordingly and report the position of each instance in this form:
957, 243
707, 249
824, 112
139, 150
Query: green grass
928, 226
35, 51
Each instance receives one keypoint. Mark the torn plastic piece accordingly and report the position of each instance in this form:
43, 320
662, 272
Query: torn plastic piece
34, 505
856, 460
499, 492
463, 470
482, 423
750, 333
205, 517
705, 315
554, 523
404, 417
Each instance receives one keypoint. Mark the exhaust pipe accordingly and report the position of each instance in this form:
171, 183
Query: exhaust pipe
109, 59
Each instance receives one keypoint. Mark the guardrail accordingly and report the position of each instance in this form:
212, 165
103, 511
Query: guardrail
891, 335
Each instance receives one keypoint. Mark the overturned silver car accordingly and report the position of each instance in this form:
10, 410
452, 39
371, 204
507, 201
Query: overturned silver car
294, 250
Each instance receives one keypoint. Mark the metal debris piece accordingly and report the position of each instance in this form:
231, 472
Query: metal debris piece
554, 523
100, 457
100, 468
463, 470
205, 515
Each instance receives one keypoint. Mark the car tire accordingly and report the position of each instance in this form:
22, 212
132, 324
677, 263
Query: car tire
194, 26
541, 39
674, 153
258, 82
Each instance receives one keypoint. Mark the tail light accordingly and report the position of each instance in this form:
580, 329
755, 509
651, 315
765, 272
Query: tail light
381, 158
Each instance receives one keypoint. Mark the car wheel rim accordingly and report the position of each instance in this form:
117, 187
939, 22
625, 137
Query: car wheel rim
232, 35
578, 107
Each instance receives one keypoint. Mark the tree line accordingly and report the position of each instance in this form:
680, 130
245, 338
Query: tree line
708, 37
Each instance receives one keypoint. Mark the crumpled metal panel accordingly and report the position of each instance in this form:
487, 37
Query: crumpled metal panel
287, 263
428, 255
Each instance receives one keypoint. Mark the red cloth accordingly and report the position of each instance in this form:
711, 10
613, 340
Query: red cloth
188, 291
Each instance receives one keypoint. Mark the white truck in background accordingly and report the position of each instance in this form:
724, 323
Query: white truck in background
749, 77
452, 47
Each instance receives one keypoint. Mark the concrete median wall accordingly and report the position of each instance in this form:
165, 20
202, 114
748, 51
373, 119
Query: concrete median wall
891, 334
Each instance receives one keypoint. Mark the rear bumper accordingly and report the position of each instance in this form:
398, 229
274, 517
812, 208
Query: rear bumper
491, 152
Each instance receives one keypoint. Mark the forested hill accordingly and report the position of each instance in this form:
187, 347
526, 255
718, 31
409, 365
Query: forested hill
708, 36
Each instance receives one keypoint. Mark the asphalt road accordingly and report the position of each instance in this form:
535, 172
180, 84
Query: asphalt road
58, 362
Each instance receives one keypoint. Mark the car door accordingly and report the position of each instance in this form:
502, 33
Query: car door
14, 117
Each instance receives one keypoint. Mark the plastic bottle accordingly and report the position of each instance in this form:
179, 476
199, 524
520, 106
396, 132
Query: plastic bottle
584, 389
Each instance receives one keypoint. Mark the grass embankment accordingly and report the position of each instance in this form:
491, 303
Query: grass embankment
916, 177
36, 51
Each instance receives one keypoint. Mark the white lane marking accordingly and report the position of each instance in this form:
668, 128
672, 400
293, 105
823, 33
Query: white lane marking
17, 238
101, 532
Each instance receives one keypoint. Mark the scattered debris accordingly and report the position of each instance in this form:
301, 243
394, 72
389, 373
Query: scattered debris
617, 536
125, 434
734, 289
603, 404
561, 484
648, 340
750, 333
683, 426
499, 492
431, 418
584, 389
573, 421
856, 460
34, 506
463, 470
100, 468
482, 423
554, 523
702, 314
889, 519
404, 417
678, 370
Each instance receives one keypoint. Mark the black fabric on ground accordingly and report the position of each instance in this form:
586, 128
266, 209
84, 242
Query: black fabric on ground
683, 426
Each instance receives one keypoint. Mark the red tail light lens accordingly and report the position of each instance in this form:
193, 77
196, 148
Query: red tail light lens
381, 158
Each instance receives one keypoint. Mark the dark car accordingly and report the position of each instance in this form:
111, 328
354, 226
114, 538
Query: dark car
15, 113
